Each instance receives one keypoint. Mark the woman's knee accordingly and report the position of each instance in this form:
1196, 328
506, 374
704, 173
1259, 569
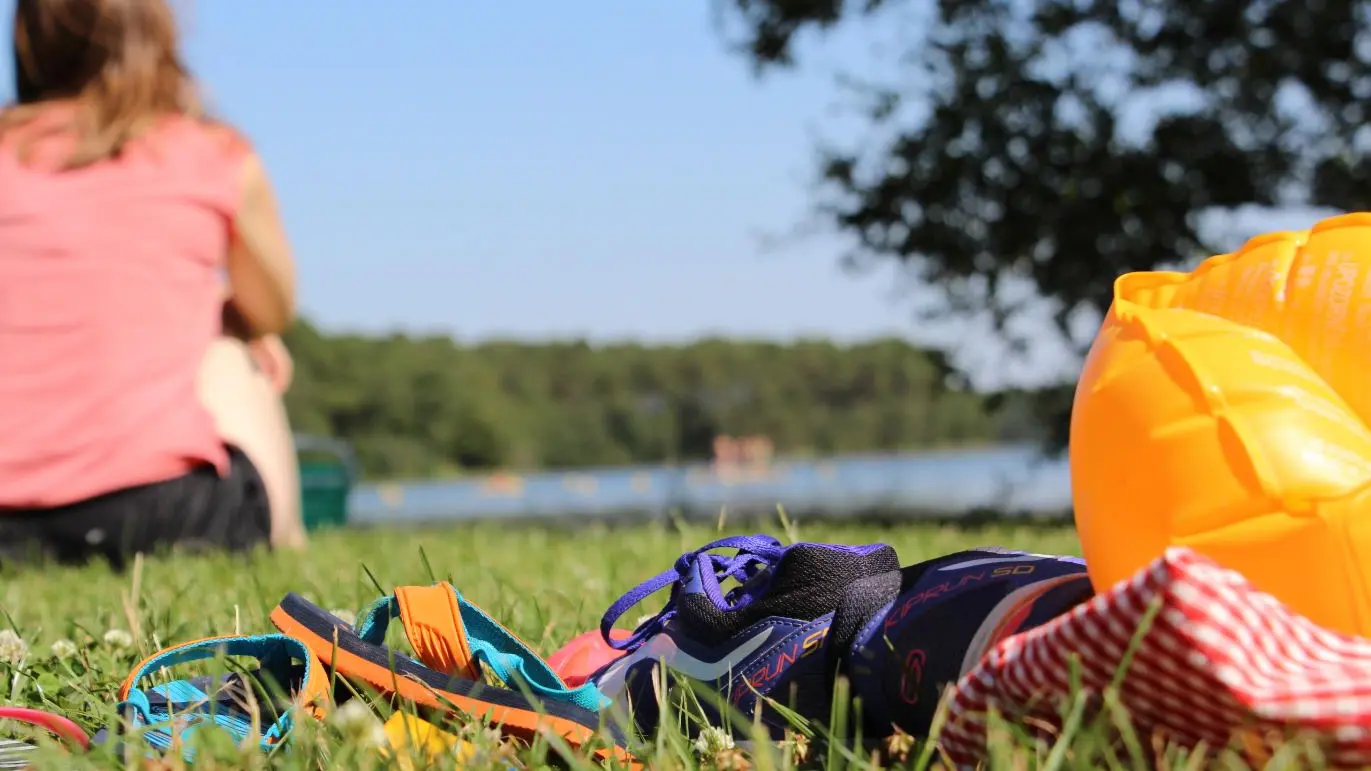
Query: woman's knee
248, 411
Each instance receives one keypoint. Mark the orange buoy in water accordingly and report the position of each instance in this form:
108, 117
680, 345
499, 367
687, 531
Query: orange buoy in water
1227, 409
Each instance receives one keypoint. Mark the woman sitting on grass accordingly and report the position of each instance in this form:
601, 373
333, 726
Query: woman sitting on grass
140, 396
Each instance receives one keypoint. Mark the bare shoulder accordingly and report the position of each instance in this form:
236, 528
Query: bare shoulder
252, 173
228, 139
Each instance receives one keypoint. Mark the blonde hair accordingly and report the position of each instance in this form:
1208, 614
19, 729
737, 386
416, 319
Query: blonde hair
118, 62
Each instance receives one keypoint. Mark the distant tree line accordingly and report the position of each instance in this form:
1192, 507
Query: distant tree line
428, 406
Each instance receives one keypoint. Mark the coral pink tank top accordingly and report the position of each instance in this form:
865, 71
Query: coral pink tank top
110, 295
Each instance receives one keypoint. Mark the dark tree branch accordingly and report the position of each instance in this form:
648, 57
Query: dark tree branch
1059, 143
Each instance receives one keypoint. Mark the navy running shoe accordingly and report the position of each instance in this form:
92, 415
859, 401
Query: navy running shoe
764, 639
934, 621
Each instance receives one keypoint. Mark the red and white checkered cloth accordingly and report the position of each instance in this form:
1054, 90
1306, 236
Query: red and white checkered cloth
1220, 661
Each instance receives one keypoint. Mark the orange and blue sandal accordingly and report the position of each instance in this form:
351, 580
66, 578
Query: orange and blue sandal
261, 704
464, 662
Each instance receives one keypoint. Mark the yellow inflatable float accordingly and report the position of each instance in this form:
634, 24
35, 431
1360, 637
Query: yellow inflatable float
1227, 409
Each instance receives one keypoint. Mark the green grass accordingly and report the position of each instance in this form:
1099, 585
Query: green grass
545, 585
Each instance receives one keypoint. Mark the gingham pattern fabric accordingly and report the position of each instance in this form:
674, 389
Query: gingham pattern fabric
1220, 662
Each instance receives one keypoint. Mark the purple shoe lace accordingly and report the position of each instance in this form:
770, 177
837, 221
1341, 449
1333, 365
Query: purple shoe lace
755, 553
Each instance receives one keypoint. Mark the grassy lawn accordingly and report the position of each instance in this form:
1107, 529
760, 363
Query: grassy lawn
86, 628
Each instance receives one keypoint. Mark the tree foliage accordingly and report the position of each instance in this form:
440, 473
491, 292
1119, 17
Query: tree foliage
1054, 144
424, 406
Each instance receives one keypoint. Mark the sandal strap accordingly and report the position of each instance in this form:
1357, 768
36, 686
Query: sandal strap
432, 620
451, 635
313, 695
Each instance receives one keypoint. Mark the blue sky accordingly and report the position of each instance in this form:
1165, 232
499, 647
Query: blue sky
537, 168
533, 168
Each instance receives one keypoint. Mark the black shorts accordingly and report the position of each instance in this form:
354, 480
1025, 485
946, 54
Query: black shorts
199, 510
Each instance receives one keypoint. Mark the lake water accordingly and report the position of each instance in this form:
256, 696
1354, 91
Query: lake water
1014, 479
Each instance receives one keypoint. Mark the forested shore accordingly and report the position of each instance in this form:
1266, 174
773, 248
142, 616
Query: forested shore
419, 406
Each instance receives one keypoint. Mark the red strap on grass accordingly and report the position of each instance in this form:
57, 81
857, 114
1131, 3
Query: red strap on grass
54, 724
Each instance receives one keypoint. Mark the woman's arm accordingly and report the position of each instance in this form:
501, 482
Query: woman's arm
261, 268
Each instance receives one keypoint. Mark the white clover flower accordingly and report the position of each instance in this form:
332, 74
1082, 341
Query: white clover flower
356, 720
352, 715
63, 649
119, 639
643, 619
374, 737
712, 741
13, 649
346, 616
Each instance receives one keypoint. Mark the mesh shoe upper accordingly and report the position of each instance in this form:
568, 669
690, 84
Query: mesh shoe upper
765, 637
